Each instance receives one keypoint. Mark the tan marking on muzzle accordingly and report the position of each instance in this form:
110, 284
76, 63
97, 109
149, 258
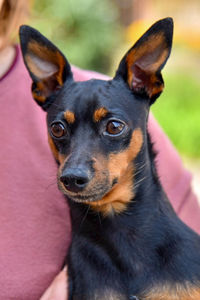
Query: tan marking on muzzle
120, 166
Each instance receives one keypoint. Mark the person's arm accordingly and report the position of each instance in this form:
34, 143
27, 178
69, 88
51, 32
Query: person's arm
58, 288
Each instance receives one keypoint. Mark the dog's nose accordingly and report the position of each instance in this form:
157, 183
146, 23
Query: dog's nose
75, 180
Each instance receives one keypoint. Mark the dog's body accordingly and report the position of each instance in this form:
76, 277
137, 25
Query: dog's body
127, 242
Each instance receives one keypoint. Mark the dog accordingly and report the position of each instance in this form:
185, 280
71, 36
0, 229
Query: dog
127, 242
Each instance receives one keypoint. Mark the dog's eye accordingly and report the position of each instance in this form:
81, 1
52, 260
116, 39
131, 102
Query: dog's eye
58, 129
114, 127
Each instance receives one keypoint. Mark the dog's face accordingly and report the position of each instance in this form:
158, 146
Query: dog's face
97, 128
95, 138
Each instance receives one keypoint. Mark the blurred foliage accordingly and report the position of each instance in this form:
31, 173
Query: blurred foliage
178, 112
186, 36
85, 30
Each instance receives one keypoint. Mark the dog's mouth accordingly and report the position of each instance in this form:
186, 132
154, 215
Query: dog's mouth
85, 198
86, 195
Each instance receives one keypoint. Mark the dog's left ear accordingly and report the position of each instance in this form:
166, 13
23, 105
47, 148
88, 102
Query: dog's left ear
46, 64
141, 66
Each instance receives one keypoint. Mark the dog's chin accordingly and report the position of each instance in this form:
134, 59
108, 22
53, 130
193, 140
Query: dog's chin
83, 197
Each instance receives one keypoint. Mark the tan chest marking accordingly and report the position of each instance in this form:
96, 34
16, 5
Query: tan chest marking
179, 292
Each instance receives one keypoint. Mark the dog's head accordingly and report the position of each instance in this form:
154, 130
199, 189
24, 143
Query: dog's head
97, 128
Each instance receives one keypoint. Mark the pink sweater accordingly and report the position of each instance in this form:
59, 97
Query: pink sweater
34, 217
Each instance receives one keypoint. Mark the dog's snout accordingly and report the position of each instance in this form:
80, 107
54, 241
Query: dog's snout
75, 180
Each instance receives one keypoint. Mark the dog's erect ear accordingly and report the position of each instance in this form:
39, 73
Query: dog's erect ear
141, 66
47, 66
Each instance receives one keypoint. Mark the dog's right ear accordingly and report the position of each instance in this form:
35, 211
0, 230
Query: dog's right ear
47, 66
141, 66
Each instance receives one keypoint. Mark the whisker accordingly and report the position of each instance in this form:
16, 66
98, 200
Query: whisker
140, 169
99, 217
50, 185
85, 215
138, 182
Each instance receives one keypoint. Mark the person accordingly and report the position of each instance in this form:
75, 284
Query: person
34, 219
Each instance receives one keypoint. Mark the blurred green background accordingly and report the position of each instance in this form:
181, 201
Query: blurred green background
95, 35
87, 31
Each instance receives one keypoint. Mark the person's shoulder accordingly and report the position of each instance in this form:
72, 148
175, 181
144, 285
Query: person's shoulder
17, 74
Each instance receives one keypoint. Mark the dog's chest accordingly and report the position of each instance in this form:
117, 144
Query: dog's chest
102, 275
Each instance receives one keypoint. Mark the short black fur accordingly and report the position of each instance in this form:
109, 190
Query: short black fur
144, 250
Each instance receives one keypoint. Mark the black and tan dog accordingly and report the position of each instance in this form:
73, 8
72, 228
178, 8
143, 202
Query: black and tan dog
127, 241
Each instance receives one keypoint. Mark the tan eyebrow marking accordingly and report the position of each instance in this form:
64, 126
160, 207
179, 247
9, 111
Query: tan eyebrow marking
99, 114
69, 116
